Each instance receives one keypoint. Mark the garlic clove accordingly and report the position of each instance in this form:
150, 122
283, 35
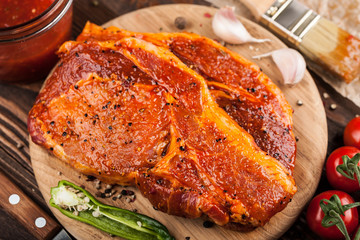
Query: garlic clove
290, 63
227, 27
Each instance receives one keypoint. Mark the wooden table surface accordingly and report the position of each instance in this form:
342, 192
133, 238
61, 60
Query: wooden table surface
16, 101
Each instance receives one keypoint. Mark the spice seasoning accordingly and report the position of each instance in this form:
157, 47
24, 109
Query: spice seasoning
208, 224
180, 23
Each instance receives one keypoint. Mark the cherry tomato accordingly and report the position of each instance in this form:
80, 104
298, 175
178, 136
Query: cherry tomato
314, 216
337, 180
352, 133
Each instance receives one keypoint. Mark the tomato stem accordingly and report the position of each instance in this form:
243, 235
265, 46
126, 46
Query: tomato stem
341, 225
357, 235
357, 172
333, 218
332, 209
350, 168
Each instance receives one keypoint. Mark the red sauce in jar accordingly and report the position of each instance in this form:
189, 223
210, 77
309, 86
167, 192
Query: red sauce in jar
27, 51
15, 12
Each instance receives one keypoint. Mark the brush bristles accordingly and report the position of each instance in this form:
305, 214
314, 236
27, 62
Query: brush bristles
334, 49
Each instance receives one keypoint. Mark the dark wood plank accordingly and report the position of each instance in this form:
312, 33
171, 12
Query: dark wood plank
26, 211
11, 229
15, 102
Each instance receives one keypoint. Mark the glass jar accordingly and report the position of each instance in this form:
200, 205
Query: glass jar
27, 51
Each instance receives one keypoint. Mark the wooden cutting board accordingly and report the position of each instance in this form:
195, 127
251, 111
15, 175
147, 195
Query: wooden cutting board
309, 123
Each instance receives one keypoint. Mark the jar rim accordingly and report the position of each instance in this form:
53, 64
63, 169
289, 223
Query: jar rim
36, 25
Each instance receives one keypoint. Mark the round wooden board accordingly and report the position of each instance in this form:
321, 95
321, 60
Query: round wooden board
309, 123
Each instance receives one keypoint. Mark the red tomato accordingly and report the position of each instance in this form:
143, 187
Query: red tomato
335, 179
352, 133
314, 216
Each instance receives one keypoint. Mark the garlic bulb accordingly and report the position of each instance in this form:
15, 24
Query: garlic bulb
227, 27
290, 63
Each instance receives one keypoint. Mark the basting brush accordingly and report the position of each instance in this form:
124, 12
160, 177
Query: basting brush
329, 49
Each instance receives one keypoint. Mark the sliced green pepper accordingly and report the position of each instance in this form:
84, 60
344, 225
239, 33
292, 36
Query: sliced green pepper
77, 203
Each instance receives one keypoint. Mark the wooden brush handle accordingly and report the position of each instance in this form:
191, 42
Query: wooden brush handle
26, 211
258, 7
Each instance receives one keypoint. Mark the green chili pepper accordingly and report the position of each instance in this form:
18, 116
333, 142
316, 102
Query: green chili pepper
77, 203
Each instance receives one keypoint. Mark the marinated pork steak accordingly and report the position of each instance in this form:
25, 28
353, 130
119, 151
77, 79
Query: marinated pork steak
130, 112
238, 86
